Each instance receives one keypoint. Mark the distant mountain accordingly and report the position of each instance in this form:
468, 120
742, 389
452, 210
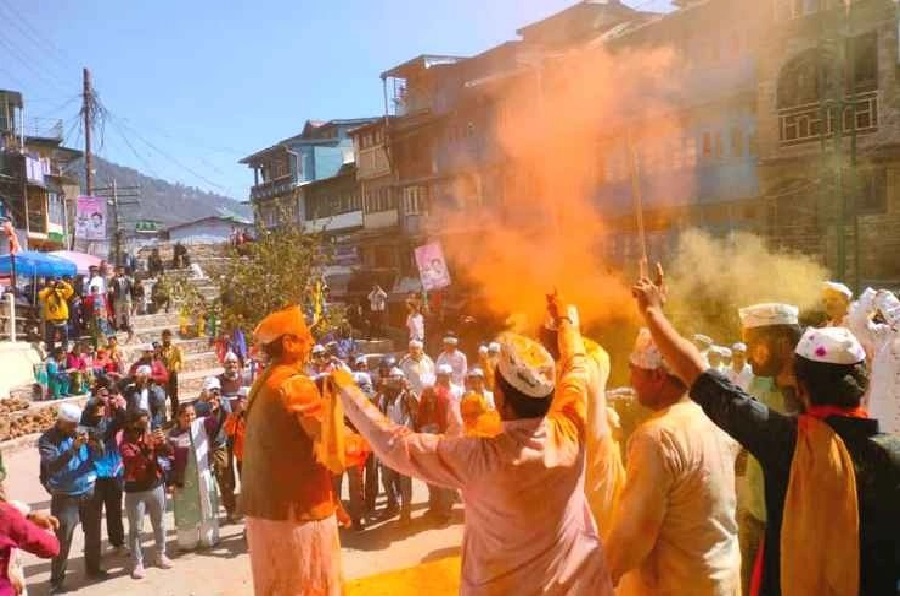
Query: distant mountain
160, 200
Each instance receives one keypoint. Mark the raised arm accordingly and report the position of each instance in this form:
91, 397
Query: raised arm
567, 416
433, 458
860, 322
767, 434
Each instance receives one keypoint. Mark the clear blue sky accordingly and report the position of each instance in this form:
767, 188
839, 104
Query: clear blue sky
194, 85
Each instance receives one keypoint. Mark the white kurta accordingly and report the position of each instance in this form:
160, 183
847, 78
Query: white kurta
884, 341
742, 378
675, 530
458, 362
418, 372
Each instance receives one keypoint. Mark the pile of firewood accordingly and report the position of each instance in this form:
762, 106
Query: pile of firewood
11, 405
25, 422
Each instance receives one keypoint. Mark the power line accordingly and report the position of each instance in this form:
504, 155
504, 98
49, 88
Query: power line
134, 151
165, 154
36, 36
59, 108
28, 65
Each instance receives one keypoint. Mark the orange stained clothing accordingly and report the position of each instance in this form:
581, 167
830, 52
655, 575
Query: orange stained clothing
604, 471
531, 473
282, 479
820, 527
236, 429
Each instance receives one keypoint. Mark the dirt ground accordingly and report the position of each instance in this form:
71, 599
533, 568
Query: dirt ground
225, 570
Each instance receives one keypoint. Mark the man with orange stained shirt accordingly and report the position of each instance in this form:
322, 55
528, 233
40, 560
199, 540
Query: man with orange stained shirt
528, 529
288, 496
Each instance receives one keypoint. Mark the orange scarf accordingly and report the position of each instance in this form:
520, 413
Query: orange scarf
820, 527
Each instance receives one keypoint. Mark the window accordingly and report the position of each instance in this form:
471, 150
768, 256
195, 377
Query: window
718, 149
379, 200
415, 200
864, 50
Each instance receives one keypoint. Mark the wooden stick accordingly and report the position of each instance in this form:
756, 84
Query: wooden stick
638, 206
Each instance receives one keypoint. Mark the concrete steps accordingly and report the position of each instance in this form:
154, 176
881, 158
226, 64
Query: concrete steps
190, 383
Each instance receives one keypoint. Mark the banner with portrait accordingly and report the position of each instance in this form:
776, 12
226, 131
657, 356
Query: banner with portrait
90, 218
432, 267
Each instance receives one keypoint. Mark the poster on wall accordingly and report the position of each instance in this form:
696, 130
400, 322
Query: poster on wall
90, 218
432, 267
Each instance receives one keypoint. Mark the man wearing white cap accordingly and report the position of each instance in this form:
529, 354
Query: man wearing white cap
221, 458
882, 343
453, 357
231, 379
836, 298
675, 529
399, 405
444, 379
832, 481
703, 343
68, 472
475, 383
417, 367
527, 525
771, 332
740, 373
158, 372
715, 358
143, 393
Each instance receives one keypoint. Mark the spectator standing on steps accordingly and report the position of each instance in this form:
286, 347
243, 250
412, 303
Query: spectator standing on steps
172, 360
122, 289
378, 306
155, 263
69, 474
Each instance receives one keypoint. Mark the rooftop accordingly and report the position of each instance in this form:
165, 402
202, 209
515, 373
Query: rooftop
423, 62
314, 132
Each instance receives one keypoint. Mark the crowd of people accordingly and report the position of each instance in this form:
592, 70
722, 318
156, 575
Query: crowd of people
128, 450
767, 466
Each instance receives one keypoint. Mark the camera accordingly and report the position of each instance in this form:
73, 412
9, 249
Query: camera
93, 435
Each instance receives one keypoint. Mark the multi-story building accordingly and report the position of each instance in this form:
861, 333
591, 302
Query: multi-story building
379, 243
36, 188
280, 171
829, 131
696, 164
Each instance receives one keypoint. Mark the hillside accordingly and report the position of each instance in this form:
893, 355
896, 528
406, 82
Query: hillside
160, 200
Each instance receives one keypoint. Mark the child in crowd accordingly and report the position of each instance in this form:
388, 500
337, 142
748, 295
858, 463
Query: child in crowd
57, 377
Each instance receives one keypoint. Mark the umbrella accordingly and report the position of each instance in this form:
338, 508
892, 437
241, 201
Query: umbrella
82, 261
38, 264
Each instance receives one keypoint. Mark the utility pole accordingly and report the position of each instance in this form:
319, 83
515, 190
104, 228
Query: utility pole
87, 107
114, 199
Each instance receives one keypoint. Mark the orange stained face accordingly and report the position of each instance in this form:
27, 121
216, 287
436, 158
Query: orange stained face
471, 408
835, 305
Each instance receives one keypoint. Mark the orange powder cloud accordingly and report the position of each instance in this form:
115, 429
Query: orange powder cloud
554, 125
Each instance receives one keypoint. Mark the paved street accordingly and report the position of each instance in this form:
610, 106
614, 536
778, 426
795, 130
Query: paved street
226, 570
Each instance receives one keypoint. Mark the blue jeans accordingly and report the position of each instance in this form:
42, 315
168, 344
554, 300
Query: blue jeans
70, 510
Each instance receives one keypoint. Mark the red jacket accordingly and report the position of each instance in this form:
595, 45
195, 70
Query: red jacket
143, 471
18, 532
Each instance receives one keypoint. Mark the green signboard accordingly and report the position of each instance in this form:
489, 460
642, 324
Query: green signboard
147, 227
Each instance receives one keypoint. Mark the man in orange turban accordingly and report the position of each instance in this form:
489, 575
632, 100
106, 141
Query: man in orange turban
293, 447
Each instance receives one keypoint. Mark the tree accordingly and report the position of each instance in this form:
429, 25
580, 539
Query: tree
278, 269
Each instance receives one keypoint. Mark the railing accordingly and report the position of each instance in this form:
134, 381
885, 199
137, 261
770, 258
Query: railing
273, 188
803, 124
